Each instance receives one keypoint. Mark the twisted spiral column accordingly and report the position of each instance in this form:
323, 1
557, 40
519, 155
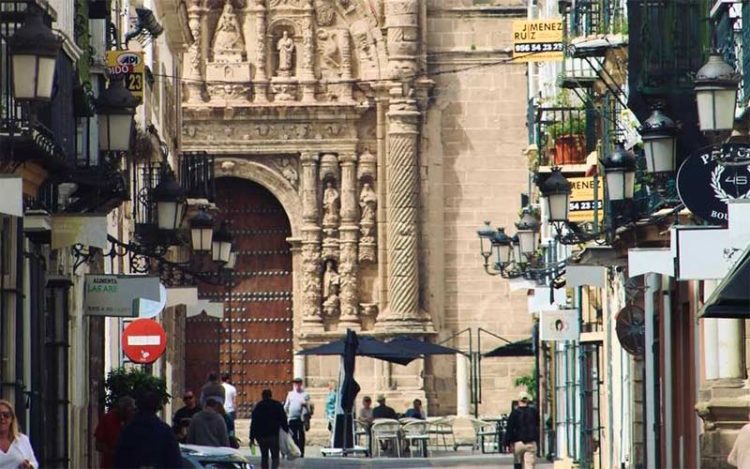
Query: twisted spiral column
402, 206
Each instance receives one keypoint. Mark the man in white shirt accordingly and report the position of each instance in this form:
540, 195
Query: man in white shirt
297, 408
230, 396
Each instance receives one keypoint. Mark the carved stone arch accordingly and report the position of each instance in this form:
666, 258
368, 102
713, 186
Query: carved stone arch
268, 178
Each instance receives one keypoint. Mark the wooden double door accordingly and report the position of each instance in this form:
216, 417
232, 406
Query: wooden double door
254, 338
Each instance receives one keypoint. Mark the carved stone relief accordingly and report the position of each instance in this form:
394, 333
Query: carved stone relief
228, 44
331, 290
285, 47
368, 202
325, 12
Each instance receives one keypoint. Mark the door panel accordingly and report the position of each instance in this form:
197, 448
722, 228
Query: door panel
259, 295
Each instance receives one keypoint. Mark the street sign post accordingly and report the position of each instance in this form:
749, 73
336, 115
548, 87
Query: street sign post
144, 341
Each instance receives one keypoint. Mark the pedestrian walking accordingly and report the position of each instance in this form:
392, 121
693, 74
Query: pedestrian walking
212, 388
230, 402
297, 407
207, 427
109, 427
15, 448
147, 441
181, 419
331, 404
740, 455
522, 433
267, 419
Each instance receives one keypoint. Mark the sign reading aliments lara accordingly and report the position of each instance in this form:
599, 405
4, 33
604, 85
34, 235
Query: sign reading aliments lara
114, 295
585, 197
705, 186
537, 40
131, 66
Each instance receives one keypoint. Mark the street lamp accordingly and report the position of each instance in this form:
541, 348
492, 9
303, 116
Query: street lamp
486, 233
33, 49
501, 245
659, 134
518, 256
716, 93
170, 199
619, 170
201, 231
527, 231
556, 194
221, 249
115, 107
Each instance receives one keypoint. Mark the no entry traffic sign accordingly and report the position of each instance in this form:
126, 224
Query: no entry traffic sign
144, 341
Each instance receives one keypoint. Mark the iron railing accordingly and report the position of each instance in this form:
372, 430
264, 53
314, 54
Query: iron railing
565, 134
197, 175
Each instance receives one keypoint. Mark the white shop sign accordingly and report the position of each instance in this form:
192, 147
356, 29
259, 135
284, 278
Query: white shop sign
118, 295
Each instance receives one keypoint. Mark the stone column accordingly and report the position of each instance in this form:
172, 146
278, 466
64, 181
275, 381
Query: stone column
260, 81
403, 202
729, 338
194, 58
402, 25
463, 403
298, 367
348, 265
307, 72
311, 268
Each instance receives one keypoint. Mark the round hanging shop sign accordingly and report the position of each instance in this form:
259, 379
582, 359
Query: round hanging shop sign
705, 186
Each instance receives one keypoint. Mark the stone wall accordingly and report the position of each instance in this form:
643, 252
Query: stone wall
473, 170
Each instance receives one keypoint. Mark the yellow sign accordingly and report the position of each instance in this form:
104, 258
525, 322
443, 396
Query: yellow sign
129, 64
537, 40
582, 200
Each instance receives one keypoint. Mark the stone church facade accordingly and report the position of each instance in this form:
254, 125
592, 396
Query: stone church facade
387, 131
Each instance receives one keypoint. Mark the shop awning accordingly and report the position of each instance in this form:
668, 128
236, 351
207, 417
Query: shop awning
731, 299
522, 348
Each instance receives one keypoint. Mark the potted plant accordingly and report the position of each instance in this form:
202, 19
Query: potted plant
569, 137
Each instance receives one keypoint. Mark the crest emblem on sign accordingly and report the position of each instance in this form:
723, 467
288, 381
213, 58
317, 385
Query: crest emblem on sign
719, 191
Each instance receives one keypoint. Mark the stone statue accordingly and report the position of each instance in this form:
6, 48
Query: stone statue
331, 201
331, 287
285, 47
367, 202
228, 43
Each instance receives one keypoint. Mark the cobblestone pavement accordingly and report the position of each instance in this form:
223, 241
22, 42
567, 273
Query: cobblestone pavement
460, 459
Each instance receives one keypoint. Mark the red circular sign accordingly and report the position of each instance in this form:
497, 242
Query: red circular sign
144, 341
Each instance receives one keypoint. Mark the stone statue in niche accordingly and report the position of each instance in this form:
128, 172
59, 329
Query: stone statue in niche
285, 46
331, 288
331, 202
367, 203
228, 43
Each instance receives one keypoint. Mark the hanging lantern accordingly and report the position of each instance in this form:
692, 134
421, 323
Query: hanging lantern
556, 192
33, 49
716, 93
659, 134
201, 231
619, 170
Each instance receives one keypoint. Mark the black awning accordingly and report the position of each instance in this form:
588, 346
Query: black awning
522, 348
731, 299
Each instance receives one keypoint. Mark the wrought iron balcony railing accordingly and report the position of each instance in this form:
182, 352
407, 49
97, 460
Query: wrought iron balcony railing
590, 17
565, 134
197, 175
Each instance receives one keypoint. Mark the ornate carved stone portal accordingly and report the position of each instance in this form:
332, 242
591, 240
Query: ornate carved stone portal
284, 93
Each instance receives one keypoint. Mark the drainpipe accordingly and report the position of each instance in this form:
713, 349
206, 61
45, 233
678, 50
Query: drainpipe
652, 287
666, 285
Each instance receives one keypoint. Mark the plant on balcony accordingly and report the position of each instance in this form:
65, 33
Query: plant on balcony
568, 138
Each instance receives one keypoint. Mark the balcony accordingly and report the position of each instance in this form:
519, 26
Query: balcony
565, 135
197, 175
43, 140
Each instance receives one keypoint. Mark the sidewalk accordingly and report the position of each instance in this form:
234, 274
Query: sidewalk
463, 458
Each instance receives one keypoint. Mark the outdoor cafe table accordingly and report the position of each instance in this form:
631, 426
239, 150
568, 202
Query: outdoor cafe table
500, 425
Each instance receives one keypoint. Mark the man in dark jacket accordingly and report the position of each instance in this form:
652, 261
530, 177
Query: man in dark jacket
267, 418
147, 441
522, 434
382, 411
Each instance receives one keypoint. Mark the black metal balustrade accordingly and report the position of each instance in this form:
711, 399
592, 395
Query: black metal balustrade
197, 175
565, 134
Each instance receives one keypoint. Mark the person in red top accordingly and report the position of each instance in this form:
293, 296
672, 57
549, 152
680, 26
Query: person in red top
108, 429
